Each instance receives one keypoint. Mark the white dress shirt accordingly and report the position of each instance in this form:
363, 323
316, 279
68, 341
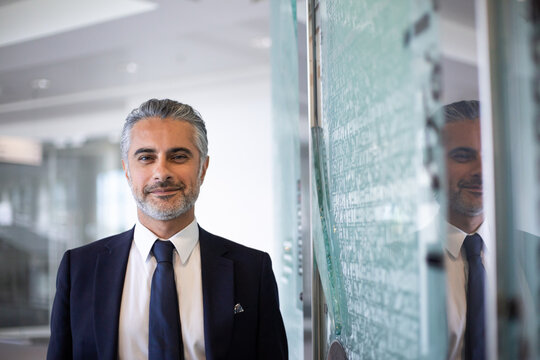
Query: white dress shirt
456, 285
135, 305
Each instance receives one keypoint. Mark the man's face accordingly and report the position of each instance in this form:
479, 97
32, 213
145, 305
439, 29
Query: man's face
464, 167
164, 170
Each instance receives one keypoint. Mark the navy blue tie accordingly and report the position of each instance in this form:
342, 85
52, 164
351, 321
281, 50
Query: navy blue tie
475, 329
165, 333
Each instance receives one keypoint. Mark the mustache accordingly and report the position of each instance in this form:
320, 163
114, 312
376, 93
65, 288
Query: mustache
166, 184
472, 182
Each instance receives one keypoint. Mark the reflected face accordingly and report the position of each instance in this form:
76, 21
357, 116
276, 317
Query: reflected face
464, 167
164, 170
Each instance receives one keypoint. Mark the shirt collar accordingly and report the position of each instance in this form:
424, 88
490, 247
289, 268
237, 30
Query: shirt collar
456, 236
184, 241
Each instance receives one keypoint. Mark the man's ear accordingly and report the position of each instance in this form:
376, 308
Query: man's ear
126, 171
204, 168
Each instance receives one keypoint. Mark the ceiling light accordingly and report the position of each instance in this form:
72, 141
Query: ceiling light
262, 42
41, 84
131, 68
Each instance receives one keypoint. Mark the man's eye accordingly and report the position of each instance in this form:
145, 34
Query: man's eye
144, 158
462, 157
179, 157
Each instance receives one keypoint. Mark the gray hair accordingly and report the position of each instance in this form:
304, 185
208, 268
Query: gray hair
166, 109
461, 110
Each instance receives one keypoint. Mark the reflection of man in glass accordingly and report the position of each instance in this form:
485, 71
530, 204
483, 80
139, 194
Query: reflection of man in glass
467, 232
461, 137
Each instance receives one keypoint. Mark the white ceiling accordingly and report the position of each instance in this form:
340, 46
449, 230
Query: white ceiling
61, 16
459, 50
106, 60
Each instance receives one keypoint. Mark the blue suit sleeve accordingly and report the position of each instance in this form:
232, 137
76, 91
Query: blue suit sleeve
60, 345
272, 339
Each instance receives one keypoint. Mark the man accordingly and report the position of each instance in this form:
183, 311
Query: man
166, 289
467, 232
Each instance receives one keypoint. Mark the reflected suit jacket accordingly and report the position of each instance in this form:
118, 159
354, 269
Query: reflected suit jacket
90, 280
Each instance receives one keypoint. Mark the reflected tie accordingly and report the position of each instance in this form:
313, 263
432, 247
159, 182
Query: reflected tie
475, 334
165, 334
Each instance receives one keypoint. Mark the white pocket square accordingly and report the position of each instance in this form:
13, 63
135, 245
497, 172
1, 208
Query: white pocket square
238, 308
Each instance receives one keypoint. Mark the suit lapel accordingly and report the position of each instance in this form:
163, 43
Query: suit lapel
109, 283
218, 295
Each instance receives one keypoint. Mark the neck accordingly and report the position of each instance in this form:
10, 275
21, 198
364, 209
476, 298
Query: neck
468, 224
165, 229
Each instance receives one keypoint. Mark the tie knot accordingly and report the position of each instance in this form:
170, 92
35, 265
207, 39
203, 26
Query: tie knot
473, 245
163, 251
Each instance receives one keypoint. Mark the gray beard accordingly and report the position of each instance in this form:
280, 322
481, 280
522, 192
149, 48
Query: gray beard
460, 207
167, 214
157, 213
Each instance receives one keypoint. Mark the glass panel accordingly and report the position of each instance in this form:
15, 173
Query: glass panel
515, 30
376, 170
285, 122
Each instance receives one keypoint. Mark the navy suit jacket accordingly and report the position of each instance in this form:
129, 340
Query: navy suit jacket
86, 308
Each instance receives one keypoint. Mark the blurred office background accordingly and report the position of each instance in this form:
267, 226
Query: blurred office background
323, 152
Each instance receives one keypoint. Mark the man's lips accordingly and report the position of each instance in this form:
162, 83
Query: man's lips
164, 191
474, 188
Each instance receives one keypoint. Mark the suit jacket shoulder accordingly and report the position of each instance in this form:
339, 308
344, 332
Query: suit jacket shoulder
85, 313
242, 319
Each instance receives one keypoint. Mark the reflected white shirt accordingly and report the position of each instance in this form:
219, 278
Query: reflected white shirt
456, 284
135, 305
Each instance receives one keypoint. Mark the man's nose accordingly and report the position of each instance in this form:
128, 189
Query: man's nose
162, 171
477, 166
